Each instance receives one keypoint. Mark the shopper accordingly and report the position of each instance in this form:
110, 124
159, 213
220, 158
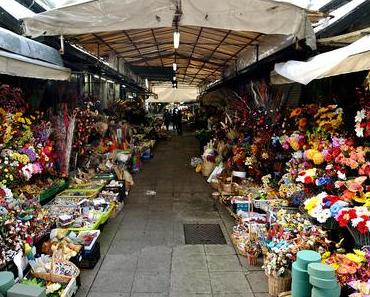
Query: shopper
179, 122
167, 119
174, 119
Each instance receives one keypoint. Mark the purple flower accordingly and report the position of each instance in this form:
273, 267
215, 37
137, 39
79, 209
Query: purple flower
322, 181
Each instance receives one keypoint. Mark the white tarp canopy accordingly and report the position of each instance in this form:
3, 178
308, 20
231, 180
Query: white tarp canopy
89, 16
352, 58
172, 95
17, 65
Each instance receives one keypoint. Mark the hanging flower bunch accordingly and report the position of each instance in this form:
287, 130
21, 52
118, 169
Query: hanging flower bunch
329, 118
85, 124
12, 100
362, 123
25, 149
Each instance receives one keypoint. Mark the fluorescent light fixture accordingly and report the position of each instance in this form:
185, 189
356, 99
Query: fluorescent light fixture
130, 96
174, 78
176, 39
174, 66
96, 76
147, 83
102, 78
123, 86
110, 81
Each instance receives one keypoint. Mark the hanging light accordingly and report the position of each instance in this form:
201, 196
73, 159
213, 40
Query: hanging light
176, 39
174, 66
174, 78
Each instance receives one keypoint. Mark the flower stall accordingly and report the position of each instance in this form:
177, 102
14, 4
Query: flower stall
63, 174
305, 172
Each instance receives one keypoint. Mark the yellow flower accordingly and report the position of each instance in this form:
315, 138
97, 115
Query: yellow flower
28, 122
355, 258
310, 153
310, 204
318, 158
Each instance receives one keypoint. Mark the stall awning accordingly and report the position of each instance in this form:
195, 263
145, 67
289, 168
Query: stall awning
17, 65
82, 16
172, 95
352, 58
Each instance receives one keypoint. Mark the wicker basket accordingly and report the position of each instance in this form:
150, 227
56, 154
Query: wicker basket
278, 285
58, 278
207, 168
360, 238
252, 260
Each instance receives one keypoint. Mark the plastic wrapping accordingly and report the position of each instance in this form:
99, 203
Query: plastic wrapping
352, 58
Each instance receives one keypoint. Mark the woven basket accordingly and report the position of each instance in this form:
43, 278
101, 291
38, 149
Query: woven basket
58, 278
252, 260
360, 239
207, 168
278, 285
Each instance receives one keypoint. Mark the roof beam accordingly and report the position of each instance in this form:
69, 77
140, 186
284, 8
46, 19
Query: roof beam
192, 51
156, 43
106, 44
138, 50
213, 52
237, 53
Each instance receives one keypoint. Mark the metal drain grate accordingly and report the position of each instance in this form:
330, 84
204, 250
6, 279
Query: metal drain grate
203, 234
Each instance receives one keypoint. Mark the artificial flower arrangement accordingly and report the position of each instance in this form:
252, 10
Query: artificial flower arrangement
21, 221
362, 123
291, 233
350, 267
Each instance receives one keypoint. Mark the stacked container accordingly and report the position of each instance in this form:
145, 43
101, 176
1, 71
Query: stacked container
301, 286
323, 280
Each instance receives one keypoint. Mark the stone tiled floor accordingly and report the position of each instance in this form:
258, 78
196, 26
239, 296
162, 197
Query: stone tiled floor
143, 250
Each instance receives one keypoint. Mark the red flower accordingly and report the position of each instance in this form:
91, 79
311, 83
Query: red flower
2, 193
308, 180
362, 228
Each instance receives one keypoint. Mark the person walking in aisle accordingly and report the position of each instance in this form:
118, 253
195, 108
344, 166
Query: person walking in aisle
174, 119
179, 122
167, 119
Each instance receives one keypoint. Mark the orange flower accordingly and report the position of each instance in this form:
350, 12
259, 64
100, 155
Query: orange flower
296, 112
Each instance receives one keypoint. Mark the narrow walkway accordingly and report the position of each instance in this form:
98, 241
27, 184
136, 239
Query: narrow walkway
143, 249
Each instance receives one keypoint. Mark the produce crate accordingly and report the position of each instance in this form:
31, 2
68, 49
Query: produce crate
90, 258
120, 190
85, 194
52, 191
108, 176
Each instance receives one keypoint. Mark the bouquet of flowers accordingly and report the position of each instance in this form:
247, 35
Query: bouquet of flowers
362, 123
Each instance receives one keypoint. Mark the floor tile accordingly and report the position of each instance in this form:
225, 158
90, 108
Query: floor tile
192, 282
120, 262
117, 282
219, 250
151, 282
229, 282
223, 263
258, 281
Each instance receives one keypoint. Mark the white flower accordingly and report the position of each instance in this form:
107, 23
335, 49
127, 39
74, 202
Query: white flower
341, 175
329, 167
361, 114
315, 213
356, 221
297, 155
359, 131
368, 225
323, 216
362, 211
322, 195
